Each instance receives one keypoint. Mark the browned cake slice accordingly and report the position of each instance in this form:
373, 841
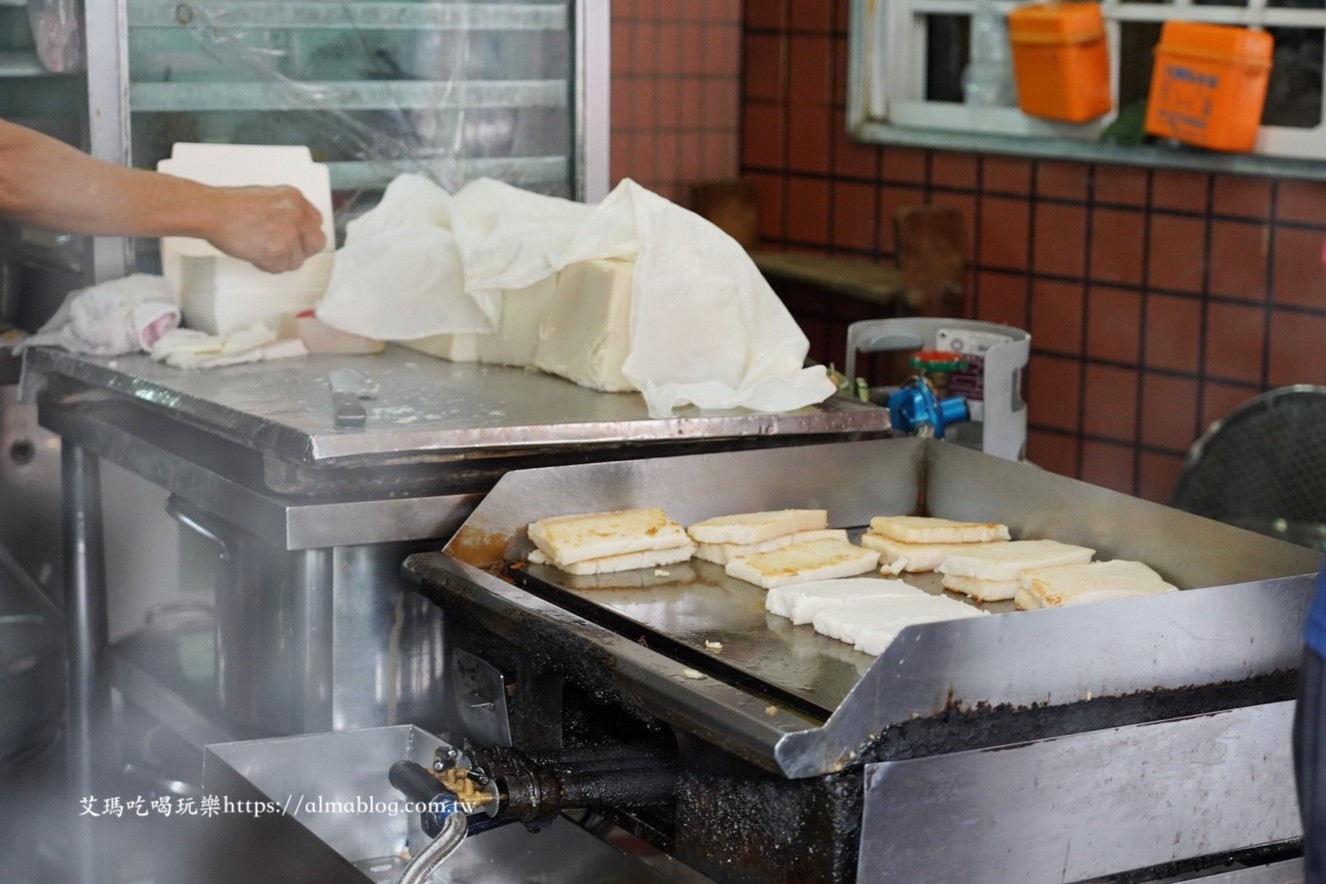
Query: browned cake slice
801, 562
566, 540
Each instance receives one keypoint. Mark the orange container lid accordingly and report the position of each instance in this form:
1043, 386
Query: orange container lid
1217, 43
1056, 23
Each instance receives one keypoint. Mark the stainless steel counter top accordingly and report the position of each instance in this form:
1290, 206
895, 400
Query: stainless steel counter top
425, 408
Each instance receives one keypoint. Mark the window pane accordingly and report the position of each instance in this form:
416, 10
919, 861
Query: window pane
1293, 95
1297, 4
1136, 42
947, 50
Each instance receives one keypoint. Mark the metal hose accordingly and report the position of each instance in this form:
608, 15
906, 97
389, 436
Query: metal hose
432, 856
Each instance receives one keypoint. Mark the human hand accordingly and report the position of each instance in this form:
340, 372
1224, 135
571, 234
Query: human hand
273, 228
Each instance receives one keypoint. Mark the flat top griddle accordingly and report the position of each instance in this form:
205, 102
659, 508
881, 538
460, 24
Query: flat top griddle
1243, 623
697, 603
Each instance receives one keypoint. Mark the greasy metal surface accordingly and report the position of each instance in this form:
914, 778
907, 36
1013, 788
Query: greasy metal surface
961, 728
1171, 641
739, 824
1289, 871
740, 721
697, 603
1086, 805
425, 407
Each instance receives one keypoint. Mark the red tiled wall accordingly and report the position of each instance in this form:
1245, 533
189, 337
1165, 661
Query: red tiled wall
676, 68
1157, 300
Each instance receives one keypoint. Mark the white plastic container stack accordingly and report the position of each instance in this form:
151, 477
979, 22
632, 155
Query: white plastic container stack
219, 294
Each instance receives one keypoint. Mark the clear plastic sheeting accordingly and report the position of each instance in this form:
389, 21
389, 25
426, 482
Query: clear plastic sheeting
58, 31
449, 91
705, 328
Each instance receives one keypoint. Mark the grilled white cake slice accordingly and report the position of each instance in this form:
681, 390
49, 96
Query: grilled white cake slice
803, 562
1003, 561
745, 528
722, 553
881, 618
1087, 584
800, 602
566, 540
925, 529
982, 590
649, 558
915, 557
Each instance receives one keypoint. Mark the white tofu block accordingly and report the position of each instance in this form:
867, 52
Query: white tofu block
876, 639
517, 337
1003, 561
585, 335
925, 529
649, 558
982, 590
917, 557
803, 562
1087, 584
800, 602
566, 540
220, 294
747, 528
453, 348
885, 617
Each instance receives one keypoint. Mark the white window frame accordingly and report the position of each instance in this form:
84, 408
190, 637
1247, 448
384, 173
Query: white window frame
887, 86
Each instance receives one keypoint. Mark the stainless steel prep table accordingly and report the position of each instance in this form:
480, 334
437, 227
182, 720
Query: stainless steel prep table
254, 446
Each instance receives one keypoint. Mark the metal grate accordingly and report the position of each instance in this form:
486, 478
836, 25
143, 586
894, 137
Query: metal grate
1263, 467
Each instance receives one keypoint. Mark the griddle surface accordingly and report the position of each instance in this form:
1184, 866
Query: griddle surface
697, 603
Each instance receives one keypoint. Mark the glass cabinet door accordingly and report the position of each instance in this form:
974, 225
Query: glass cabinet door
455, 91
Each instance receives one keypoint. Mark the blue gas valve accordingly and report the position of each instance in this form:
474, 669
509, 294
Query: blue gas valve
916, 409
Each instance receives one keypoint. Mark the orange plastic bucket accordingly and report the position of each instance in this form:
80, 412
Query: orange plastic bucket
1209, 85
1060, 62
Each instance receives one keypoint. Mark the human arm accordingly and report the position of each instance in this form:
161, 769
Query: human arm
46, 183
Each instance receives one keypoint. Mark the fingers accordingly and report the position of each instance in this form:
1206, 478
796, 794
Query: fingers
311, 238
274, 228
305, 228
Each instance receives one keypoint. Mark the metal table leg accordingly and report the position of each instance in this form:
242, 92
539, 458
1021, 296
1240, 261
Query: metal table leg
311, 581
88, 671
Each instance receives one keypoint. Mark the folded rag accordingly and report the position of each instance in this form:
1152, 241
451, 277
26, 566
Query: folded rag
111, 318
186, 348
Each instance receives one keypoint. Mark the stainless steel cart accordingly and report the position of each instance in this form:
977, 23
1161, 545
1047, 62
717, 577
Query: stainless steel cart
316, 630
